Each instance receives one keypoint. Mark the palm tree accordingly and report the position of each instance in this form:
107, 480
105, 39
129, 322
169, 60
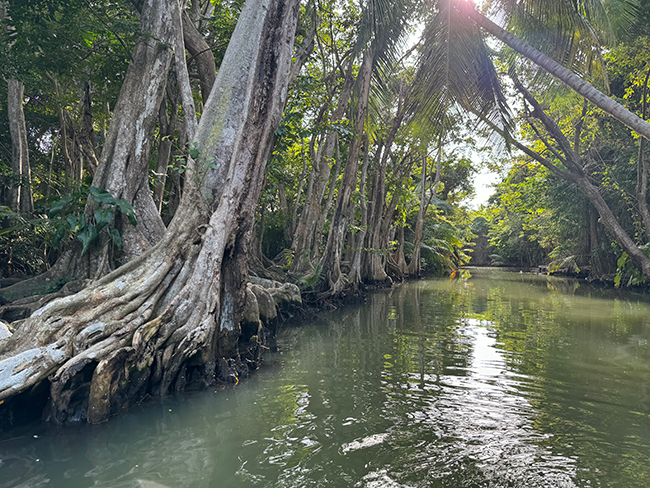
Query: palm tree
551, 66
575, 15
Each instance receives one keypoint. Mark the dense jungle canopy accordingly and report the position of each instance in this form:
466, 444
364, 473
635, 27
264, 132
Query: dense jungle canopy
156, 154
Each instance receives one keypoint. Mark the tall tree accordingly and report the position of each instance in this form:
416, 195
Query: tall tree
21, 194
20, 199
179, 303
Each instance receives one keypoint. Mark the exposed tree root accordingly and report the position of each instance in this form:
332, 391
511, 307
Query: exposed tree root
173, 313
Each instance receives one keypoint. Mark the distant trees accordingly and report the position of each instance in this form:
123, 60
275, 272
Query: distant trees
578, 144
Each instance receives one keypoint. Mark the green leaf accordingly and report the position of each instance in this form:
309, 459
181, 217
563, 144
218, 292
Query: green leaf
104, 216
9, 230
61, 231
117, 239
194, 150
126, 208
87, 236
6, 212
60, 205
77, 222
101, 196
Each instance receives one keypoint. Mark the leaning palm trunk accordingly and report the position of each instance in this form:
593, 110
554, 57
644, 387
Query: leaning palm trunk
175, 310
567, 77
574, 173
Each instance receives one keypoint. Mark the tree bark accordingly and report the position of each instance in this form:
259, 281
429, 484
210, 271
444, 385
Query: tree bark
86, 136
358, 238
124, 164
374, 268
415, 266
642, 167
202, 55
331, 260
123, 168
575, 174
308, 222
167, 126
176, 307
21, 193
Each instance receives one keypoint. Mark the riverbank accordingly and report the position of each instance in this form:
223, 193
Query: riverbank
239, 353
268, 303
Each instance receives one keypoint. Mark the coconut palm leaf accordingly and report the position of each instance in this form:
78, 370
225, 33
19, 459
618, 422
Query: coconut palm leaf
455, 71
383, 27
570, 31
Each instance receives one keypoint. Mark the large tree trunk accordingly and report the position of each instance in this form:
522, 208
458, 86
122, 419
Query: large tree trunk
21, 193
616, 110
200, 51
124, 165
176, 308
331, 260
311, 215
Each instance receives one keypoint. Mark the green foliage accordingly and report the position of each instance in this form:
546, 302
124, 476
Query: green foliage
441, 251
24, 243
68, 219
313, 279
627, 274
522, 230
193, 150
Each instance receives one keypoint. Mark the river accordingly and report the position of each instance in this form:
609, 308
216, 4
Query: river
498, 380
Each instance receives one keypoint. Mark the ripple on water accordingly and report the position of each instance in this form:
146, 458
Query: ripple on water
473, 425
438, 384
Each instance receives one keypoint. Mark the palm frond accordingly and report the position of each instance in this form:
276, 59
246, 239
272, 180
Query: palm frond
383, 26
456, 72
571, 31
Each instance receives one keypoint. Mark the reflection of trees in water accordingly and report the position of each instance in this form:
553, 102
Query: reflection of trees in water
570, 355
435, 383
587, 358
447, 424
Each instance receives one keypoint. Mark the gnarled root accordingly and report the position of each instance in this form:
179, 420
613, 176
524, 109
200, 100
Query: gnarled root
138, 330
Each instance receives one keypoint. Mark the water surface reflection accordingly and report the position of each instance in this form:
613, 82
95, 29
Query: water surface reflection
504, 380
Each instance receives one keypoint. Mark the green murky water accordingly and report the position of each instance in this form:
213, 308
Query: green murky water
503, 380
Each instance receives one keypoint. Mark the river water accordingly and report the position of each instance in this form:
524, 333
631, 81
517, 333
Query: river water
499, 380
